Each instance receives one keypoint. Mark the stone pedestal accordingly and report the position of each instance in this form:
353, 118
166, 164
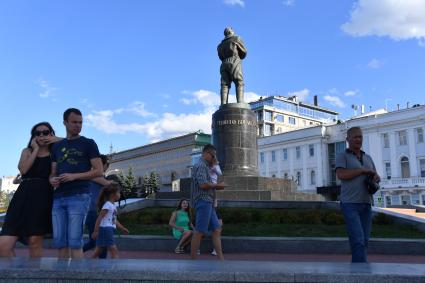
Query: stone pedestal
262, 188
234, 134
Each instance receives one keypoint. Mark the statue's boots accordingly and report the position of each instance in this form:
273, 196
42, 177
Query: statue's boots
224, 93
239, 94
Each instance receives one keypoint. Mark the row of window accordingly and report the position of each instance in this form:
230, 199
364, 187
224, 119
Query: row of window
402, 137
285, 153
405, 167
414, 199
268, 116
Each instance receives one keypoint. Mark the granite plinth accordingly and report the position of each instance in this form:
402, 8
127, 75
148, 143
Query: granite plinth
52, 270
262, 188
234, 134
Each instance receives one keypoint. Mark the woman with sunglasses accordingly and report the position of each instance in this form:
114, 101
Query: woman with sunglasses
28, 217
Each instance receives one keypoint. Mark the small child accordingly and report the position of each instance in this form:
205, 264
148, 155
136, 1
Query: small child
107, 222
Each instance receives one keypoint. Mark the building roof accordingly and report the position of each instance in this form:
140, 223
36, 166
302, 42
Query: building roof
196, 138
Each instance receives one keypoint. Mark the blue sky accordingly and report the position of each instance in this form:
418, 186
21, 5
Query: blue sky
143, 71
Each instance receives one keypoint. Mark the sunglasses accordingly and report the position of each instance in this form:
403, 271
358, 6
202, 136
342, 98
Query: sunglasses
42, 133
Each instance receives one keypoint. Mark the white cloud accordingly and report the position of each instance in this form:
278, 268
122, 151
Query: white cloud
47, 90
375, 64
138, 108
334, 101
351, 93
168, 124
397, 19
288, 3
302, 94
234, 2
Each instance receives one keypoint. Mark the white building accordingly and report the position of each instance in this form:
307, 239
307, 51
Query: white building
278, 114
395, 140
7, 185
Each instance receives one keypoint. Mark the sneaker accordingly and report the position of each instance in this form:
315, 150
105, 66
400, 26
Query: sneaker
182, 251
178, 250
214, 253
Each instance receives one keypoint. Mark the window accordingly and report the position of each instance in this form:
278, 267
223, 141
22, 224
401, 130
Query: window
304, 122
279, 118
388, 170
268, 115
402, 138
298, 152
405, 169
420, 135
422, 167
273, 156
405, 199
313, 177
267, 129
423, 199
285, 176
311, 150
416, 199
386, 140
259, 115
395, 200
292, 120
285, 154
262, 157
299, 178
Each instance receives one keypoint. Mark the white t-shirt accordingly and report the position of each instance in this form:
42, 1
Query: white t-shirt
214, 171
110, 217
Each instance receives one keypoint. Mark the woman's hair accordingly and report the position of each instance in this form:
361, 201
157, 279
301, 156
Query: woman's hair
106, 193
188, 210
34, 128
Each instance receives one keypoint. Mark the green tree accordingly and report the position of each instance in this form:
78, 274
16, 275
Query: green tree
128, 183
154, 182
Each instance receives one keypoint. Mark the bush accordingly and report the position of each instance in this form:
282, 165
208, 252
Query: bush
333, 218
383, 219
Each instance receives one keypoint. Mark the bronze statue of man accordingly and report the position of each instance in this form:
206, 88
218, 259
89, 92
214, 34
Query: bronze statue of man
231, 51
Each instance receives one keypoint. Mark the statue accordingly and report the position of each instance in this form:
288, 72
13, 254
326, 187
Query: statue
231, 52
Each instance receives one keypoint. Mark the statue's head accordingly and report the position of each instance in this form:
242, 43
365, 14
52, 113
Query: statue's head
228, 32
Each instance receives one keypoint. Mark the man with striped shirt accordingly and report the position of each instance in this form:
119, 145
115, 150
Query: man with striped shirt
202, 196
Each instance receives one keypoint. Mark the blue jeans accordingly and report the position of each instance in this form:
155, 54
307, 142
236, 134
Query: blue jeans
68, 217
206, 217
90, 223
358, 220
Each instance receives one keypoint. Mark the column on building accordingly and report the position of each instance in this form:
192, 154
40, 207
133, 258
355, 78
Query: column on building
291, 157
393, 154
279, 159
304, 152
266, 163
319, 164
375, 151
412, 153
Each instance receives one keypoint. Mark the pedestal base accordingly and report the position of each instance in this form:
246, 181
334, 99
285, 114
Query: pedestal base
262, 188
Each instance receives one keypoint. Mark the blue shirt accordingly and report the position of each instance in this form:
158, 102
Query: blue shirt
73, 156
200, 176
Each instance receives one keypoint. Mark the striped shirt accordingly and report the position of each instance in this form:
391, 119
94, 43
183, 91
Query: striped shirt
200, 176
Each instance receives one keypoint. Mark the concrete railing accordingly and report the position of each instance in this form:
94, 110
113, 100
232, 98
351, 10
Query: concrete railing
407, 182
48, 270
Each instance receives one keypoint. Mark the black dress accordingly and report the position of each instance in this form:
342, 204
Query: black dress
30, 210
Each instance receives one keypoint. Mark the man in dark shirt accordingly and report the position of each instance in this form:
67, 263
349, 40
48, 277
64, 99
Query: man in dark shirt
352, 168
75, 161
202, 196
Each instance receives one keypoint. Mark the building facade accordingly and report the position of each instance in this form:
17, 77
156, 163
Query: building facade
395, 140
278, 114
171, 159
